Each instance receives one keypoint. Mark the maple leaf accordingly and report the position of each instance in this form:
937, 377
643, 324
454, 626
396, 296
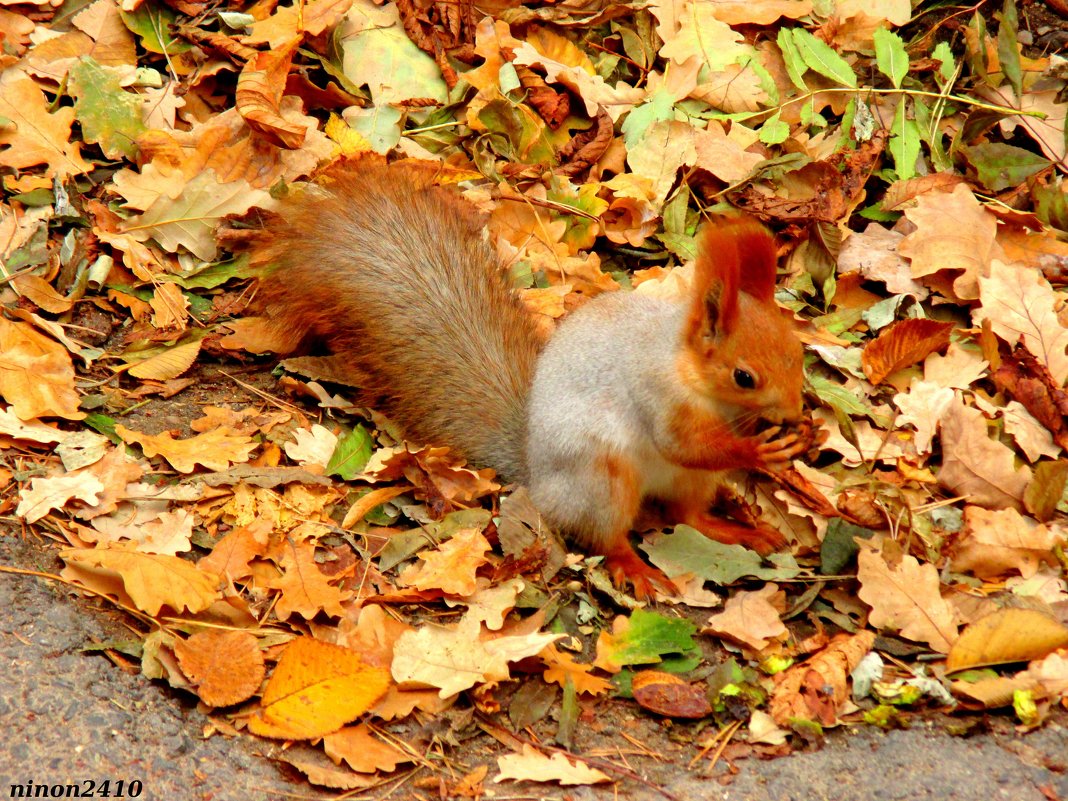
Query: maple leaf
39, 136
905, 598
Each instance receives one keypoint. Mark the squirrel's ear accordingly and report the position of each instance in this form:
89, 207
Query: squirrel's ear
736, 254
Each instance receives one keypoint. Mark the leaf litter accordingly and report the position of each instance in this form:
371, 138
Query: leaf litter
310, 577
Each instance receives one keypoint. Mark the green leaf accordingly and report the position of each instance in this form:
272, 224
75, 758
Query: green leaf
948, 69
1051, 205
1047, 489
649, 637
109, 115
904, 144
838, 397
795, 65
839, 547
687, 550
351, 453
890, 56
1009, 47
102, 424
152, 22
774, 131
1001, 166
379, 125
932, 134
821, 58
659, 106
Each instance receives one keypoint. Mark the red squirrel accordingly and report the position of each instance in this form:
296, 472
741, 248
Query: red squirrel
632, 399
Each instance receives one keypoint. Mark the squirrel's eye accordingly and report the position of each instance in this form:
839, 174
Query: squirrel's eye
744, 379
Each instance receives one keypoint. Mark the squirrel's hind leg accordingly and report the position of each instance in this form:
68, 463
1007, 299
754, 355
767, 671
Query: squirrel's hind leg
596, 504
696, 491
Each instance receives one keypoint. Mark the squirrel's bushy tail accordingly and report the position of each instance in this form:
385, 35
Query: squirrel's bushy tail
395, 276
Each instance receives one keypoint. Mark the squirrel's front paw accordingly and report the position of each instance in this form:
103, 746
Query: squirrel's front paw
775, 450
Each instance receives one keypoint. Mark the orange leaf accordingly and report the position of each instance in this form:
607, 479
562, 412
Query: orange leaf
902, 344
259, 91
226, 666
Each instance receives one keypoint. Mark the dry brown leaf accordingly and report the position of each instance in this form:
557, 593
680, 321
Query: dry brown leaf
994, 543
39, 135
976, 466
1019, 302
669, 695
903, 344
259, 91
817, 688
459, 657
232, 554
225, 666
170, 309
953, 232
45, 494
905, 597
151, 580
431, 467
113, 43
451, 567
1007, 635
561, 666
215, 450
303, 588
362, 751
36, 374
532, 765
317, 688
752, 618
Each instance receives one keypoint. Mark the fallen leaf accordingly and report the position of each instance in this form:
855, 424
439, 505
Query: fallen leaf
532, 765
1007, 635
225, 666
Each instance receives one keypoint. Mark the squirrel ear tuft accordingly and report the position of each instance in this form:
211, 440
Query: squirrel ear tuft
756, 253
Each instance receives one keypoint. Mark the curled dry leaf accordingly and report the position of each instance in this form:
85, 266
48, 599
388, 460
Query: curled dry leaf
817, 688
903, 344
225, 666
259, 91
993, 543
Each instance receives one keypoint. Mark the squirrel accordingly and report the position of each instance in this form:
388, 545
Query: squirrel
633, 401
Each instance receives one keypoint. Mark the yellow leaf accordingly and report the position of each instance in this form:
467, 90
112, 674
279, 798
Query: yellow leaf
316, 689
36, 374
1008, 635
215, 450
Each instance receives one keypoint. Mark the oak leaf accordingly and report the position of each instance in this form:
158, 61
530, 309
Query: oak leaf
45, 494
905, 598
752, 618
36, 374
152, 581
358, 748
39, 135
451, 567
459, 657
953, 232
215, 450
303, 588
1019, 303
231, 555
532, 765
561, 666
994, 543
975, 465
